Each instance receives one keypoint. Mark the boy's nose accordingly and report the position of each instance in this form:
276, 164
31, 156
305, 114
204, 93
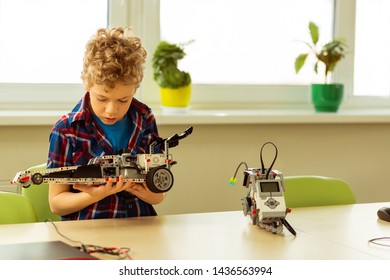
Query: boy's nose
111, 108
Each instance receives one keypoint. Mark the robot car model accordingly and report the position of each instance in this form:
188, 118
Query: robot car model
265, 202
152, 168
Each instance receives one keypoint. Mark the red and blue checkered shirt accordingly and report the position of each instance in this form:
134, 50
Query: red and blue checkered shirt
76, 138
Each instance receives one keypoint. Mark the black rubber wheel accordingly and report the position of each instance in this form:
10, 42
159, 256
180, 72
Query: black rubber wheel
37, 178
246, 205
159, 179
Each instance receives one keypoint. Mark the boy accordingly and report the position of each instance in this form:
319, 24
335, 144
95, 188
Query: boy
106, 120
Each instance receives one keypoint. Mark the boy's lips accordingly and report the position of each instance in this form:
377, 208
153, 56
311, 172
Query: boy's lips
109, 119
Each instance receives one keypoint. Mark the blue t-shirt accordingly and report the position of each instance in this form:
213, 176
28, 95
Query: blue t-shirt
118, 133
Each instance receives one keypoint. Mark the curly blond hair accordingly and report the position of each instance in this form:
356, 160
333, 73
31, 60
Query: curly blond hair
111, 56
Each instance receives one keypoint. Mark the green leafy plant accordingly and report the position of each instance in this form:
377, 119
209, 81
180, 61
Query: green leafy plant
330, 53
165, 66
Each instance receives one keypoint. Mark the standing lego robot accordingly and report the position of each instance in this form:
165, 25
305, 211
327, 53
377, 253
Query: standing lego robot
265, 202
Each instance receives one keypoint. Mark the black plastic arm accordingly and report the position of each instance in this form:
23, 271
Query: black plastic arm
173, 140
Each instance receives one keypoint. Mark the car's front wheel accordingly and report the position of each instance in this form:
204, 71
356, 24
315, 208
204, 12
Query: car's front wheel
37, 178
159, 179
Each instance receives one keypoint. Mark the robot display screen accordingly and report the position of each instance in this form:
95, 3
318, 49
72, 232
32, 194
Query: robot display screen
269, 186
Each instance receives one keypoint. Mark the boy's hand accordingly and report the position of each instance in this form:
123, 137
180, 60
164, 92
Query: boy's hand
143, 192
137, 189
140, 190
105, 190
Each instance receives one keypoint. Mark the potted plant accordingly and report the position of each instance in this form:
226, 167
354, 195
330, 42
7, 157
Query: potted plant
175, 84
327, 96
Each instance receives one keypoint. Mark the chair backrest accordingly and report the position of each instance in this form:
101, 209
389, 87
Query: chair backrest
304, 191
16, 209
39, 197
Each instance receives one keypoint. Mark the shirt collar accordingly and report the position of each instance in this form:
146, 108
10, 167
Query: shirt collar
82, 111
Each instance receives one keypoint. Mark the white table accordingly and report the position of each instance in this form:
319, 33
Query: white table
323, 233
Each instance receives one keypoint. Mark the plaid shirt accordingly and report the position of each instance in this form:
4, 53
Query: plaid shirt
76, 138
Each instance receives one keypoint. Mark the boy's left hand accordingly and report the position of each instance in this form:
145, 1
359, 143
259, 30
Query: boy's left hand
137, 188
142, 191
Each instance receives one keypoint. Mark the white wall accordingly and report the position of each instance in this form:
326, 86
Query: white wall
357, 153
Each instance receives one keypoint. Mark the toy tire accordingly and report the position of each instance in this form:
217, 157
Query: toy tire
37, 178
159, 179
245, 205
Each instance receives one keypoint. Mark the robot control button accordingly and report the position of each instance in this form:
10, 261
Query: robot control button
272, 203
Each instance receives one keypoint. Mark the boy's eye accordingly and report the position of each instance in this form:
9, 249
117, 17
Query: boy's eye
123, 101
100, 98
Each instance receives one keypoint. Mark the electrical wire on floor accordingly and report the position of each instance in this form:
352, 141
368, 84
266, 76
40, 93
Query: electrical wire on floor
121, 252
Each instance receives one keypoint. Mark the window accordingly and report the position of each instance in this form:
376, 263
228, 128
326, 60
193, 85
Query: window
260, 38
42, 45
372, 51
246, 42
47, 44
244, 51
242, 55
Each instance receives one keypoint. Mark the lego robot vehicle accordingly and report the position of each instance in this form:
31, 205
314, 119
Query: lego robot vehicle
152, 168
264, 202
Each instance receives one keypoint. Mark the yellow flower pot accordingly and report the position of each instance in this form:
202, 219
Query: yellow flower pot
176, 97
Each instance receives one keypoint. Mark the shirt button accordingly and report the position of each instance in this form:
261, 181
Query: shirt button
130, 206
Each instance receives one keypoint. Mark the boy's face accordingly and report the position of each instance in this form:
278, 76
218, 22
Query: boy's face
111, 105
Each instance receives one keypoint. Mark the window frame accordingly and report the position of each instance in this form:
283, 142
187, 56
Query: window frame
143, 16
268, 96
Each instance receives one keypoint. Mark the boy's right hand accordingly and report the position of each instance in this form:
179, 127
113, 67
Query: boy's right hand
108, 189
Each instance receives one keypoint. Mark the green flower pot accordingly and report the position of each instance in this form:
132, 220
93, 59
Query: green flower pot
327, 97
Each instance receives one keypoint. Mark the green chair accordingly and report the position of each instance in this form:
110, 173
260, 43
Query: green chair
39, 197
16, 209
305, 191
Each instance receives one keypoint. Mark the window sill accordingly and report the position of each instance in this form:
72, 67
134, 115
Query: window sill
220, 116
